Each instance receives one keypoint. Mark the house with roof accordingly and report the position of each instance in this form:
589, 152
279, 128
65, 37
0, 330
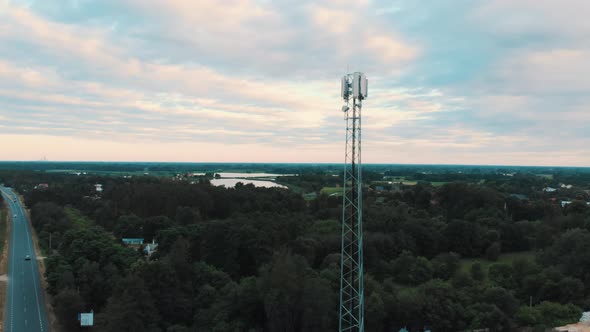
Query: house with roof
150, 248
132, 241
565, 203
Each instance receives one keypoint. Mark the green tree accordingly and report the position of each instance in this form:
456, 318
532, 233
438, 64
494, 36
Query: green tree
502, 299
320, 303
488, 316
464, 238
186, 215
152, 225
477, 272
493, 252
571, 253
129, 226
442, 307
528, 316
501, 274
374, 312
577, 207
410, 308
131, 308
461, 279
281, 285
445, 265
571, 290
548, 314
411, 270
68, 304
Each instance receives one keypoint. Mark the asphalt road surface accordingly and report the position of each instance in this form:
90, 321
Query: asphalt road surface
25, 307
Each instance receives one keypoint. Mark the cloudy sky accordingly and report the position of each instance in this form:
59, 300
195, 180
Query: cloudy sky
453, 82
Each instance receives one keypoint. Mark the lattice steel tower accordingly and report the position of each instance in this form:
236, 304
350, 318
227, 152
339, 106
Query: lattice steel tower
352, 311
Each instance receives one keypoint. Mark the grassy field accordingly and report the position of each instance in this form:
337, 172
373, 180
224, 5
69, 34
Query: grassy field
335, 191
546, 176
77, 218
292, 187
504, 258
438, 183
310, 196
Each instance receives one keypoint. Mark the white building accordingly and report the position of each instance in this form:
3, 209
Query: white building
150, 248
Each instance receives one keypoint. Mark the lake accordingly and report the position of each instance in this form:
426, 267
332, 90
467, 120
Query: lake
230, 183
250, 175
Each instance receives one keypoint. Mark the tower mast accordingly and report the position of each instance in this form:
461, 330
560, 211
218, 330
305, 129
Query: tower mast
352, 313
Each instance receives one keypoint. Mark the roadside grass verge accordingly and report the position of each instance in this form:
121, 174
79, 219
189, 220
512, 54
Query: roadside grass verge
3, 227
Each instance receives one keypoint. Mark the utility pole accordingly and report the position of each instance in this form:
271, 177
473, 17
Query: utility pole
352, 311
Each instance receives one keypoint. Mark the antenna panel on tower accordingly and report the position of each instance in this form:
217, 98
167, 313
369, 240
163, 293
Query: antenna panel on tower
359, 85
345, 87
364, 87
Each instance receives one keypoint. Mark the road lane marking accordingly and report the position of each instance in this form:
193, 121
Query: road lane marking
12, 280
36, 282
34, 276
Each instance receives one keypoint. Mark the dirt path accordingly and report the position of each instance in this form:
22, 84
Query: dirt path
580, 327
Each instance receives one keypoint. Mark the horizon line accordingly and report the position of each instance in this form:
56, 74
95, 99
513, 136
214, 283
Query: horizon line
279, 163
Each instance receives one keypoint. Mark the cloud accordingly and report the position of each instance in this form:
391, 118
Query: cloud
335, 21
558, 19
450, 82
547, 72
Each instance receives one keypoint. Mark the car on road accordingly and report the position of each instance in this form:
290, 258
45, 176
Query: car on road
28, 257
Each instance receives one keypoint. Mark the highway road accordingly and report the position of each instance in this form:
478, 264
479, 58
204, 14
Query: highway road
25, 307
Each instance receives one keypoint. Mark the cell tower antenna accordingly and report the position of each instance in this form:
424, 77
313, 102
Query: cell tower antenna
352, 304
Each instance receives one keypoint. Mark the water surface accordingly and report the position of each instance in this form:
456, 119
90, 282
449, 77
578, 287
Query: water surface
230, 183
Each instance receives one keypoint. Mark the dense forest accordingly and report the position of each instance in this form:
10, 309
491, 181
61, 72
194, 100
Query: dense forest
449, 251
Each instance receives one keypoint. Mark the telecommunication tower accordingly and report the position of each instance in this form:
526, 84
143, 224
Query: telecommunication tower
352, 311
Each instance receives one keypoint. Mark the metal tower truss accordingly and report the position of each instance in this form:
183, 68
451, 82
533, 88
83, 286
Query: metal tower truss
354, 87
